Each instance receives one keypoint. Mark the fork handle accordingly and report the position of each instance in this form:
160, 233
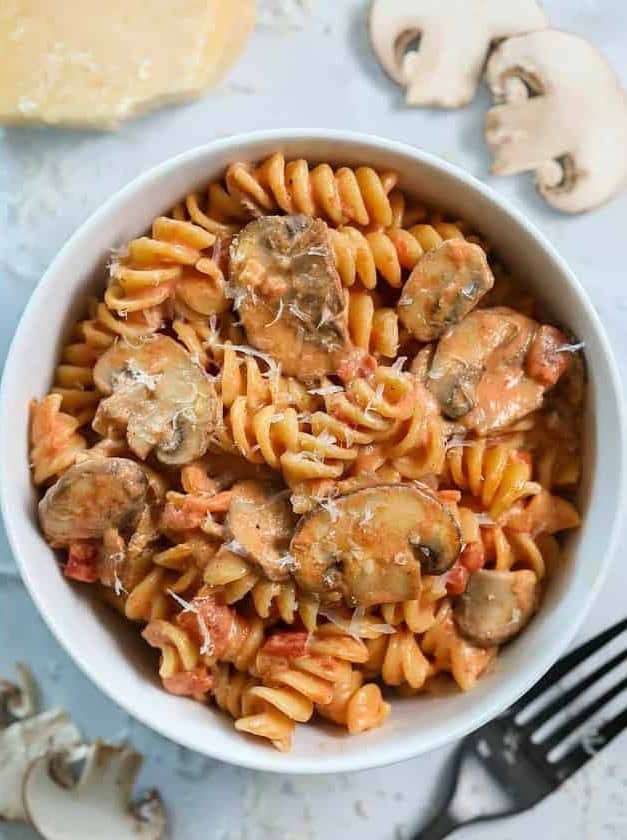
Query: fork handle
442, 826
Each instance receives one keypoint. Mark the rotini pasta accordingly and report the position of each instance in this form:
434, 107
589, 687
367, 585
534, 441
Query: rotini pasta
496, 475
344, 195
364, 256
295, 488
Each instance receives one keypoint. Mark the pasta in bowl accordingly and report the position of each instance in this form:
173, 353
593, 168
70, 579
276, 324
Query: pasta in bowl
318, 443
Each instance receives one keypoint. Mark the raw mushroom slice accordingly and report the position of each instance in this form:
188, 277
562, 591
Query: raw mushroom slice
260, 523
454, 40
159, 397
20, 744
496, 605
563, 114
18, 701
97, 806
90, 497
371, 546
445, 285
489, 370
289, 295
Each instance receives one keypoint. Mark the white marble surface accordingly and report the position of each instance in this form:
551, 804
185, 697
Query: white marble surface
310, 66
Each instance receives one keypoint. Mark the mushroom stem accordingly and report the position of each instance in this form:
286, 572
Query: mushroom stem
98, 804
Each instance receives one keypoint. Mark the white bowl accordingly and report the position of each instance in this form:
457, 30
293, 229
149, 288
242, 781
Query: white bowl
111, 652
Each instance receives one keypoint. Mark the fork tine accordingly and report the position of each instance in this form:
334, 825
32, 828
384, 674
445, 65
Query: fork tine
563, 700
581, 717
569, 662
579, 755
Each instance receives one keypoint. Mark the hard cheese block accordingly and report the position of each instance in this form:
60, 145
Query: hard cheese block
94, 64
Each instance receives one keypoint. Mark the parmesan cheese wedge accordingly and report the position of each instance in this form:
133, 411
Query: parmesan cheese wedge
96, 64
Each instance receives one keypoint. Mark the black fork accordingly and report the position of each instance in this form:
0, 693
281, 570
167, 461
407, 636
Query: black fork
523, 768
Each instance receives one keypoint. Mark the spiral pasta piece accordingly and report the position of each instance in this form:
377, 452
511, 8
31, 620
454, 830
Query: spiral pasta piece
356, 706
398, 659
373, 328
451, 653
239, 579
299, 673
245, 378
506, 549
364, 256
494, 474
54, 441
232, 693
341, 196
173, 261
418, 615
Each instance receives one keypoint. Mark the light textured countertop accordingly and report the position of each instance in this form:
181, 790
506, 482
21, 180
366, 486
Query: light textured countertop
307, 65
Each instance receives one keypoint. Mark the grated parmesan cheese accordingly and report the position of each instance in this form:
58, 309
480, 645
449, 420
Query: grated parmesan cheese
278, 314
326, 391
297, 312
331, 508
236, 547
273, 368
570, 348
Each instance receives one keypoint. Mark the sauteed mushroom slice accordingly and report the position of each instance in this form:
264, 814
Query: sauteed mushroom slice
371, 546
159, 396
445, 285
289, 295
478, 370
260, 523
496, 606
92, 496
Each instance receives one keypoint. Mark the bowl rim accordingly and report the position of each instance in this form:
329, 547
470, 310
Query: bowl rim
373, 755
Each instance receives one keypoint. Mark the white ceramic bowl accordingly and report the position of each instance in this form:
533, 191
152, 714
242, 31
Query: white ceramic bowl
111, 652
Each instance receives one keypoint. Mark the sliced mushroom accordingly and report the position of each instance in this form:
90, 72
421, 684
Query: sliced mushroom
92, 496
289, 295
159, 396
477, 373
371, 546
496, 605
454, 40
18, 701
260, 523
20, 744
564, 115
98, 804
445, 285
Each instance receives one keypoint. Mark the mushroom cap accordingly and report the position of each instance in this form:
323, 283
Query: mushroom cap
444, 286
371, 546
92, 496
563, 113
289, 295
261, 522
496, 605
454, 40
97, 805
478, 374
160, 396
20, 744
19, 700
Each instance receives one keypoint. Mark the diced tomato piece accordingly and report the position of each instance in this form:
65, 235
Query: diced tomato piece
191, 511
449, 497
82, 562
207, 616
473, 557
289, 645
194, 683
545, 362
456, 579
357, 363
